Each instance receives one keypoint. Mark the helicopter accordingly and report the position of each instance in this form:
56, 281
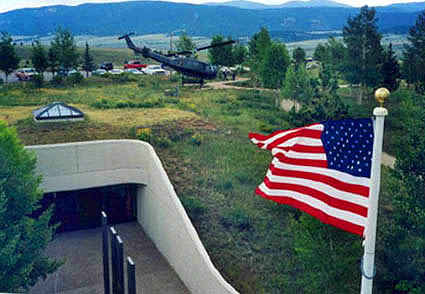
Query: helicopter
188, 66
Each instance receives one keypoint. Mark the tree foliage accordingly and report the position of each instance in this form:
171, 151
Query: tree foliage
414, 55
185, 43
88, 64
364, 51
297, 85
403, 250
9, 61
326, 257
298, 56
258, 46
221, 55
64, 48
390, 70
331, 55
39, 57
22, 238
274, 66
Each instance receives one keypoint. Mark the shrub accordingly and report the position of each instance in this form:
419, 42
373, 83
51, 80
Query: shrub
37, 81
101, 104
144, 134
196, 139
56, 80
121, 104
75, 78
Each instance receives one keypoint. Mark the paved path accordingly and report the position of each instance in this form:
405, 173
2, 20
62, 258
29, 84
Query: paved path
82, 272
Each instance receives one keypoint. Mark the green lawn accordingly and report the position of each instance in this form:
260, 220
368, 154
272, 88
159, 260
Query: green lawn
202, 139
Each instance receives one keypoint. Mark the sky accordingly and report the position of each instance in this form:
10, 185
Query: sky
6, 5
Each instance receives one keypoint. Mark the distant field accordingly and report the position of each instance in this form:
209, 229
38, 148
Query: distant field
397, 40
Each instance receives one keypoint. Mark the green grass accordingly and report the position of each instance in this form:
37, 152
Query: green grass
202, 140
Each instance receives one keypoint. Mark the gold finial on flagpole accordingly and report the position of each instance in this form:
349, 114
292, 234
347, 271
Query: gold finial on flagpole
381, 95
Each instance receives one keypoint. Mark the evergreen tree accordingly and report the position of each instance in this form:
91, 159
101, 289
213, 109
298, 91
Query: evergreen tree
240, 54
364, 51
22, 238
221, 55
88, 64
391, 70
258, 46
297, 85
402, 253
65, 48
185, 43
414, 55
298, 56
39, 57
9, 61
274, 66
52, 60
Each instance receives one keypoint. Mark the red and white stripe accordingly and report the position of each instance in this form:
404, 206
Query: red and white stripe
299, 176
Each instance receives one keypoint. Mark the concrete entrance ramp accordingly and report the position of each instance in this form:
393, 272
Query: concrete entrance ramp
82, 272
75, 166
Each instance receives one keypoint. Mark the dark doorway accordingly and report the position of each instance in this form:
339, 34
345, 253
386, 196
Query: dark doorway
80, 209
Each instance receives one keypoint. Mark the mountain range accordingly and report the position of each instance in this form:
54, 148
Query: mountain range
291, 4
152, 17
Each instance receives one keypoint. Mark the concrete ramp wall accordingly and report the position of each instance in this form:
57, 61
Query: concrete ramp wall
74, 166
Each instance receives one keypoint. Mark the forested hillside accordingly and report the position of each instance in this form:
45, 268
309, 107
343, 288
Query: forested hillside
201, 20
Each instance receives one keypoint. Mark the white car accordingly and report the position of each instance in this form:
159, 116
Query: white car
133, 71
116, 71
25, 73
154, 70
98, 72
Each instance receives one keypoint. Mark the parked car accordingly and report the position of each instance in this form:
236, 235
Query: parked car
116, 71
65, 73
134, 64
25, 74
98, 72
106, 66
134, 71
154, 70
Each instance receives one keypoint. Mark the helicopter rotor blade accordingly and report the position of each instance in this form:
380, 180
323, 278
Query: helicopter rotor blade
181, 53
215, 45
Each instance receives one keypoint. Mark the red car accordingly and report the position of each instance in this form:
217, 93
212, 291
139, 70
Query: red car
134, 64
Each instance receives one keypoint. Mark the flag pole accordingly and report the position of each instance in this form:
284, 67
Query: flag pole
367, 264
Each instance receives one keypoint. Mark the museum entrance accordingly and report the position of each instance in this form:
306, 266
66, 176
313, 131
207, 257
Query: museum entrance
76, 210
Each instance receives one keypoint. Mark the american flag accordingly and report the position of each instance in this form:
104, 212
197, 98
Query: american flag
322, 169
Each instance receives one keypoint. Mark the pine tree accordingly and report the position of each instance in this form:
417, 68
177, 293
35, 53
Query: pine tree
258, 46
52, 60
22, 238
88, 64
65, 48
391, 70
364, 50
221, 55
414, 55
39, 57
297, 85
240, 53
9, 61
298, 56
